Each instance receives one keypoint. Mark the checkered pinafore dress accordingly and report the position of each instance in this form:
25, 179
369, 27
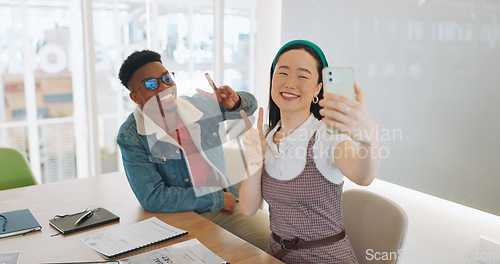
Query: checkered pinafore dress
309, 207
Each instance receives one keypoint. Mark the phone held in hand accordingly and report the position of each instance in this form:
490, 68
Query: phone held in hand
339, 80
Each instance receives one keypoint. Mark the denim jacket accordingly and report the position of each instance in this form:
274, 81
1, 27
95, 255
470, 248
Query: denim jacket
160, 179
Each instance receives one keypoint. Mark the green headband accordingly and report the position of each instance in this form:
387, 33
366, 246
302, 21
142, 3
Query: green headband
305, 43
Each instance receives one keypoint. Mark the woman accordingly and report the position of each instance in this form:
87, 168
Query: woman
300, 172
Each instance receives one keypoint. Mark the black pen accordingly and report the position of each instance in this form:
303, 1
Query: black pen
83, 217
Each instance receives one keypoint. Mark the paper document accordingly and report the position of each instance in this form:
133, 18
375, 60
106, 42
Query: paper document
187, 252
10, 258
131, 237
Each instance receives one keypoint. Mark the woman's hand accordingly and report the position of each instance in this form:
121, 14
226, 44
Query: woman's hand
350, 116
250, 191
254, 140
353, 118
224, 95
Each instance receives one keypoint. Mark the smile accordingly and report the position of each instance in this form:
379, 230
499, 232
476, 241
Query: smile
289, 95
167, 96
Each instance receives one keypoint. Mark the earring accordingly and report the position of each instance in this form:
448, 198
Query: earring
315, 100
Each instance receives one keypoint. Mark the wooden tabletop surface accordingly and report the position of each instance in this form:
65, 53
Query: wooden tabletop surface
112, 192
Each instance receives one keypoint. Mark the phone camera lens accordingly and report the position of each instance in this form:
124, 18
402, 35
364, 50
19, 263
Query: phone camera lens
330, 73
331, 80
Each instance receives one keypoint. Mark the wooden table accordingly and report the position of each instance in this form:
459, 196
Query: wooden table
112, 192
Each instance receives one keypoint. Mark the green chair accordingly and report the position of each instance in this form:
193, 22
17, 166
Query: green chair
14, 170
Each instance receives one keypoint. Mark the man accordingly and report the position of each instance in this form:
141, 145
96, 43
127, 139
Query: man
171, 147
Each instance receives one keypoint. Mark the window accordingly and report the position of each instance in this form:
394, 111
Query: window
183, 33
35, 113
44, 111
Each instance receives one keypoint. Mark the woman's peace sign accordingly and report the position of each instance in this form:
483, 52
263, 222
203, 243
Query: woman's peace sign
254, 140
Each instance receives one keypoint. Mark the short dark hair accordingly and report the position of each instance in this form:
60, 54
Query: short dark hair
273, 109
134, 61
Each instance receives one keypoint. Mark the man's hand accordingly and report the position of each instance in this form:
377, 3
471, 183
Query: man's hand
229, 202
224, 95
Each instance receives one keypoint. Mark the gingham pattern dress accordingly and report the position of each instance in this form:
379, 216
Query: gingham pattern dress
309, 207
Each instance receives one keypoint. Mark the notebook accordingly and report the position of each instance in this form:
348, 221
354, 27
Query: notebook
18, 222
132, 237
66, 224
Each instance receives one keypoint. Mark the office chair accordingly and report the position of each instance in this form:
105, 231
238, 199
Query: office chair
14, 170
375, 225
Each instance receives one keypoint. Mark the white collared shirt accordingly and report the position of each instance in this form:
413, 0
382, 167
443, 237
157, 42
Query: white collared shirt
290, 160
189, 115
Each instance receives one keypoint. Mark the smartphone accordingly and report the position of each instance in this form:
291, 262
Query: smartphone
339, 80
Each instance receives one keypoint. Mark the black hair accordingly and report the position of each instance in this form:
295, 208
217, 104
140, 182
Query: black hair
273, 109
134, 61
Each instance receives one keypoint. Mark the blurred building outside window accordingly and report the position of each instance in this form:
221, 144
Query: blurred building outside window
41, 52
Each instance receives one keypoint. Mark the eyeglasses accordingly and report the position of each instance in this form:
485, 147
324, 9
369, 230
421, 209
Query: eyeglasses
153, 84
